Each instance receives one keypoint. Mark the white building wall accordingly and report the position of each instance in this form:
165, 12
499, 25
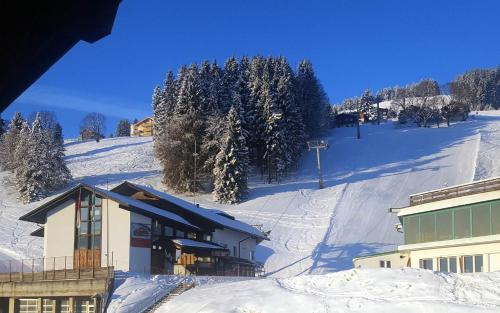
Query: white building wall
397, 259
119, 236
229, 239
59, 234
489, 251
140, 258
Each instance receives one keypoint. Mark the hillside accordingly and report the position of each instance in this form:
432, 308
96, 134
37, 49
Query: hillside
313, 231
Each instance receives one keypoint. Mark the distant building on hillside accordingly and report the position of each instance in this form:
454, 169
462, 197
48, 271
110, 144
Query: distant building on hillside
142, 128
346, 119
88, 134
455, 229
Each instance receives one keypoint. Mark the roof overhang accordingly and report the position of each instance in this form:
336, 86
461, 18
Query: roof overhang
39, 215
37, 34
150, 194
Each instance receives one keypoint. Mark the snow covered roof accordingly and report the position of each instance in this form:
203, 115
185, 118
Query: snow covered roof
38, 215
214, 216
143, 206
197, 244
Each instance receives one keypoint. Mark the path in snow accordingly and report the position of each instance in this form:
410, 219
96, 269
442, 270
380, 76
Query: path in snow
489, 150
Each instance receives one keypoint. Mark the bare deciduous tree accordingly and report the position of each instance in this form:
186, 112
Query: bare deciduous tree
95, 123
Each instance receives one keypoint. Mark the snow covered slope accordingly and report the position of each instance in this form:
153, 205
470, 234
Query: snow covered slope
379, 290
313, 231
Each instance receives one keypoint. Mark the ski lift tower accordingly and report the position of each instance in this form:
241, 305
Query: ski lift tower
318, 144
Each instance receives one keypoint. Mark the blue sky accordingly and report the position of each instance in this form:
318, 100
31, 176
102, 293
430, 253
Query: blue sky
353, 45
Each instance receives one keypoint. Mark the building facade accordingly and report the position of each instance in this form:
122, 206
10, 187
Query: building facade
454, 229
135, 228
89, 234
142, 128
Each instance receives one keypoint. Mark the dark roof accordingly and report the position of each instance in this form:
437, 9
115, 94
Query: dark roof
37, 34
214, 216
39, 214
40, 232
184, 242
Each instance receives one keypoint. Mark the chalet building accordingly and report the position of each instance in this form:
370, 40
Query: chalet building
454, 229
88, 134
142, 128
90, 233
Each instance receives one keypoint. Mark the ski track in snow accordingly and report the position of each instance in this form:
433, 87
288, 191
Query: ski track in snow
312, 231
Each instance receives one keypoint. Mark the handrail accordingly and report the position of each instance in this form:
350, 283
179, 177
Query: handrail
456, 191
53, 268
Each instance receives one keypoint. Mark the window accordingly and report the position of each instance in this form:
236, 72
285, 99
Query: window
426, 264
388, 264
204, 259
476, 220
191, 235
64, 306
453, 264
462, 223
169, 231
381, 263
443, 265
428, 227
89, 224
444, 225
234, 251
156, 228
481, 220
478, 263
411, 229
179, 234
47, 306
207, 237
468, 264
495, 217
28, 305
85, 306
252, 255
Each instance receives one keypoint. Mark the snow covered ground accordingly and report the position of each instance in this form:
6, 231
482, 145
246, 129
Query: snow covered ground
135, 292
377, 290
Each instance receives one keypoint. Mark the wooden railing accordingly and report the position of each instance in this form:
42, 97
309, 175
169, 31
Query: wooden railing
458, 191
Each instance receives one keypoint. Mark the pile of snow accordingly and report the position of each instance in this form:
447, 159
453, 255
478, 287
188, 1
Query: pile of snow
134, 292
377, 290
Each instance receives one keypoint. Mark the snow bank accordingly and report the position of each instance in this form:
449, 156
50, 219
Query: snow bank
376, 290
135, 292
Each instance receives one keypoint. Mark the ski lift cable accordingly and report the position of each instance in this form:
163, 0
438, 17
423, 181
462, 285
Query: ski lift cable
260, 210
284, 211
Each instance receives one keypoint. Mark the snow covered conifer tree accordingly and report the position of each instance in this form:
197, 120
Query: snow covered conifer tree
292, 116
10, 141
158, 111
59, 174
41, 167
207, 108
189, 96
216, 89
32, 174
311, 98
2, 126
123, 128
231, 163
57, 135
